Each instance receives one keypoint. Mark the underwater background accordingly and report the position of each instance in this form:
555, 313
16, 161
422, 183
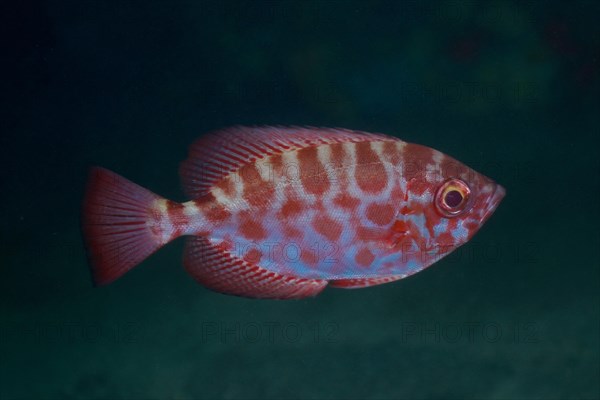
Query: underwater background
510, 88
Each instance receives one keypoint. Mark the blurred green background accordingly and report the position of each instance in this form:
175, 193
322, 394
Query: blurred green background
510, 88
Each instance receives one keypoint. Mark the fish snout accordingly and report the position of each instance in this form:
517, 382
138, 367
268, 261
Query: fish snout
497, 194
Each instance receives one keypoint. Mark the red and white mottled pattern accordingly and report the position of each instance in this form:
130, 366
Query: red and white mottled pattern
282, 212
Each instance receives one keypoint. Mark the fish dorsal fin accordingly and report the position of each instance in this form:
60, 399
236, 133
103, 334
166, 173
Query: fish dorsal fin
224, 272
216, 155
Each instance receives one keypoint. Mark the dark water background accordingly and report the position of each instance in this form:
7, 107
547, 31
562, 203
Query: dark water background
510, 88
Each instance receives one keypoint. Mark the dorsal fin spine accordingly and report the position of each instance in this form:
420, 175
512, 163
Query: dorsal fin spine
235, 151
240, 160
225, 161
257, 148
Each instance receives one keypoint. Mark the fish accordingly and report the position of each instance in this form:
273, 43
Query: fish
284, 212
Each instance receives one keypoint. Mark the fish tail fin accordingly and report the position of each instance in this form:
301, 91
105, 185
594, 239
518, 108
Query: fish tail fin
120, 223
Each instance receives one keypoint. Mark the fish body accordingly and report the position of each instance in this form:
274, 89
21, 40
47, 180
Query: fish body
284, 212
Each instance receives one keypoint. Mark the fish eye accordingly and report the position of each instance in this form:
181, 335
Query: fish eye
452, 197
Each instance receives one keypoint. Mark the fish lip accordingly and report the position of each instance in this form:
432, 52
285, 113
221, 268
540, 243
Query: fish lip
493, 201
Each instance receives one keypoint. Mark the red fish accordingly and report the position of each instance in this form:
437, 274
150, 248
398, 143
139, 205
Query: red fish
284, 212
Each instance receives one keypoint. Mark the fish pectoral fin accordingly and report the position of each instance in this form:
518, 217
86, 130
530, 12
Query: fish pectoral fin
363, 282
224, 272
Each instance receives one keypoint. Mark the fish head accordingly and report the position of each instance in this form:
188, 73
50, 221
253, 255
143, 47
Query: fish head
445, 202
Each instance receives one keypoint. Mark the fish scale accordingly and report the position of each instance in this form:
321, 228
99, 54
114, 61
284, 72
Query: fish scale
284, 212
313, 238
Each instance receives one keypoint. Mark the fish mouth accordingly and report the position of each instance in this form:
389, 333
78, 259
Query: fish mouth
493, 201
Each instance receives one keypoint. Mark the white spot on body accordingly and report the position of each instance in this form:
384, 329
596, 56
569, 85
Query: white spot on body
265, 169
161, 206
350, 162
419, 220
377, 148
432, 172
290, 170
190, 209
162, 222
235, 202
438, 158
460, 233
196, 219
292, 175
440, 227
324, 156
400, 145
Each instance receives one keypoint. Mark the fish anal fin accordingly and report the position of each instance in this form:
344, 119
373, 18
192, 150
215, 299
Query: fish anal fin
363, 282
221, 271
